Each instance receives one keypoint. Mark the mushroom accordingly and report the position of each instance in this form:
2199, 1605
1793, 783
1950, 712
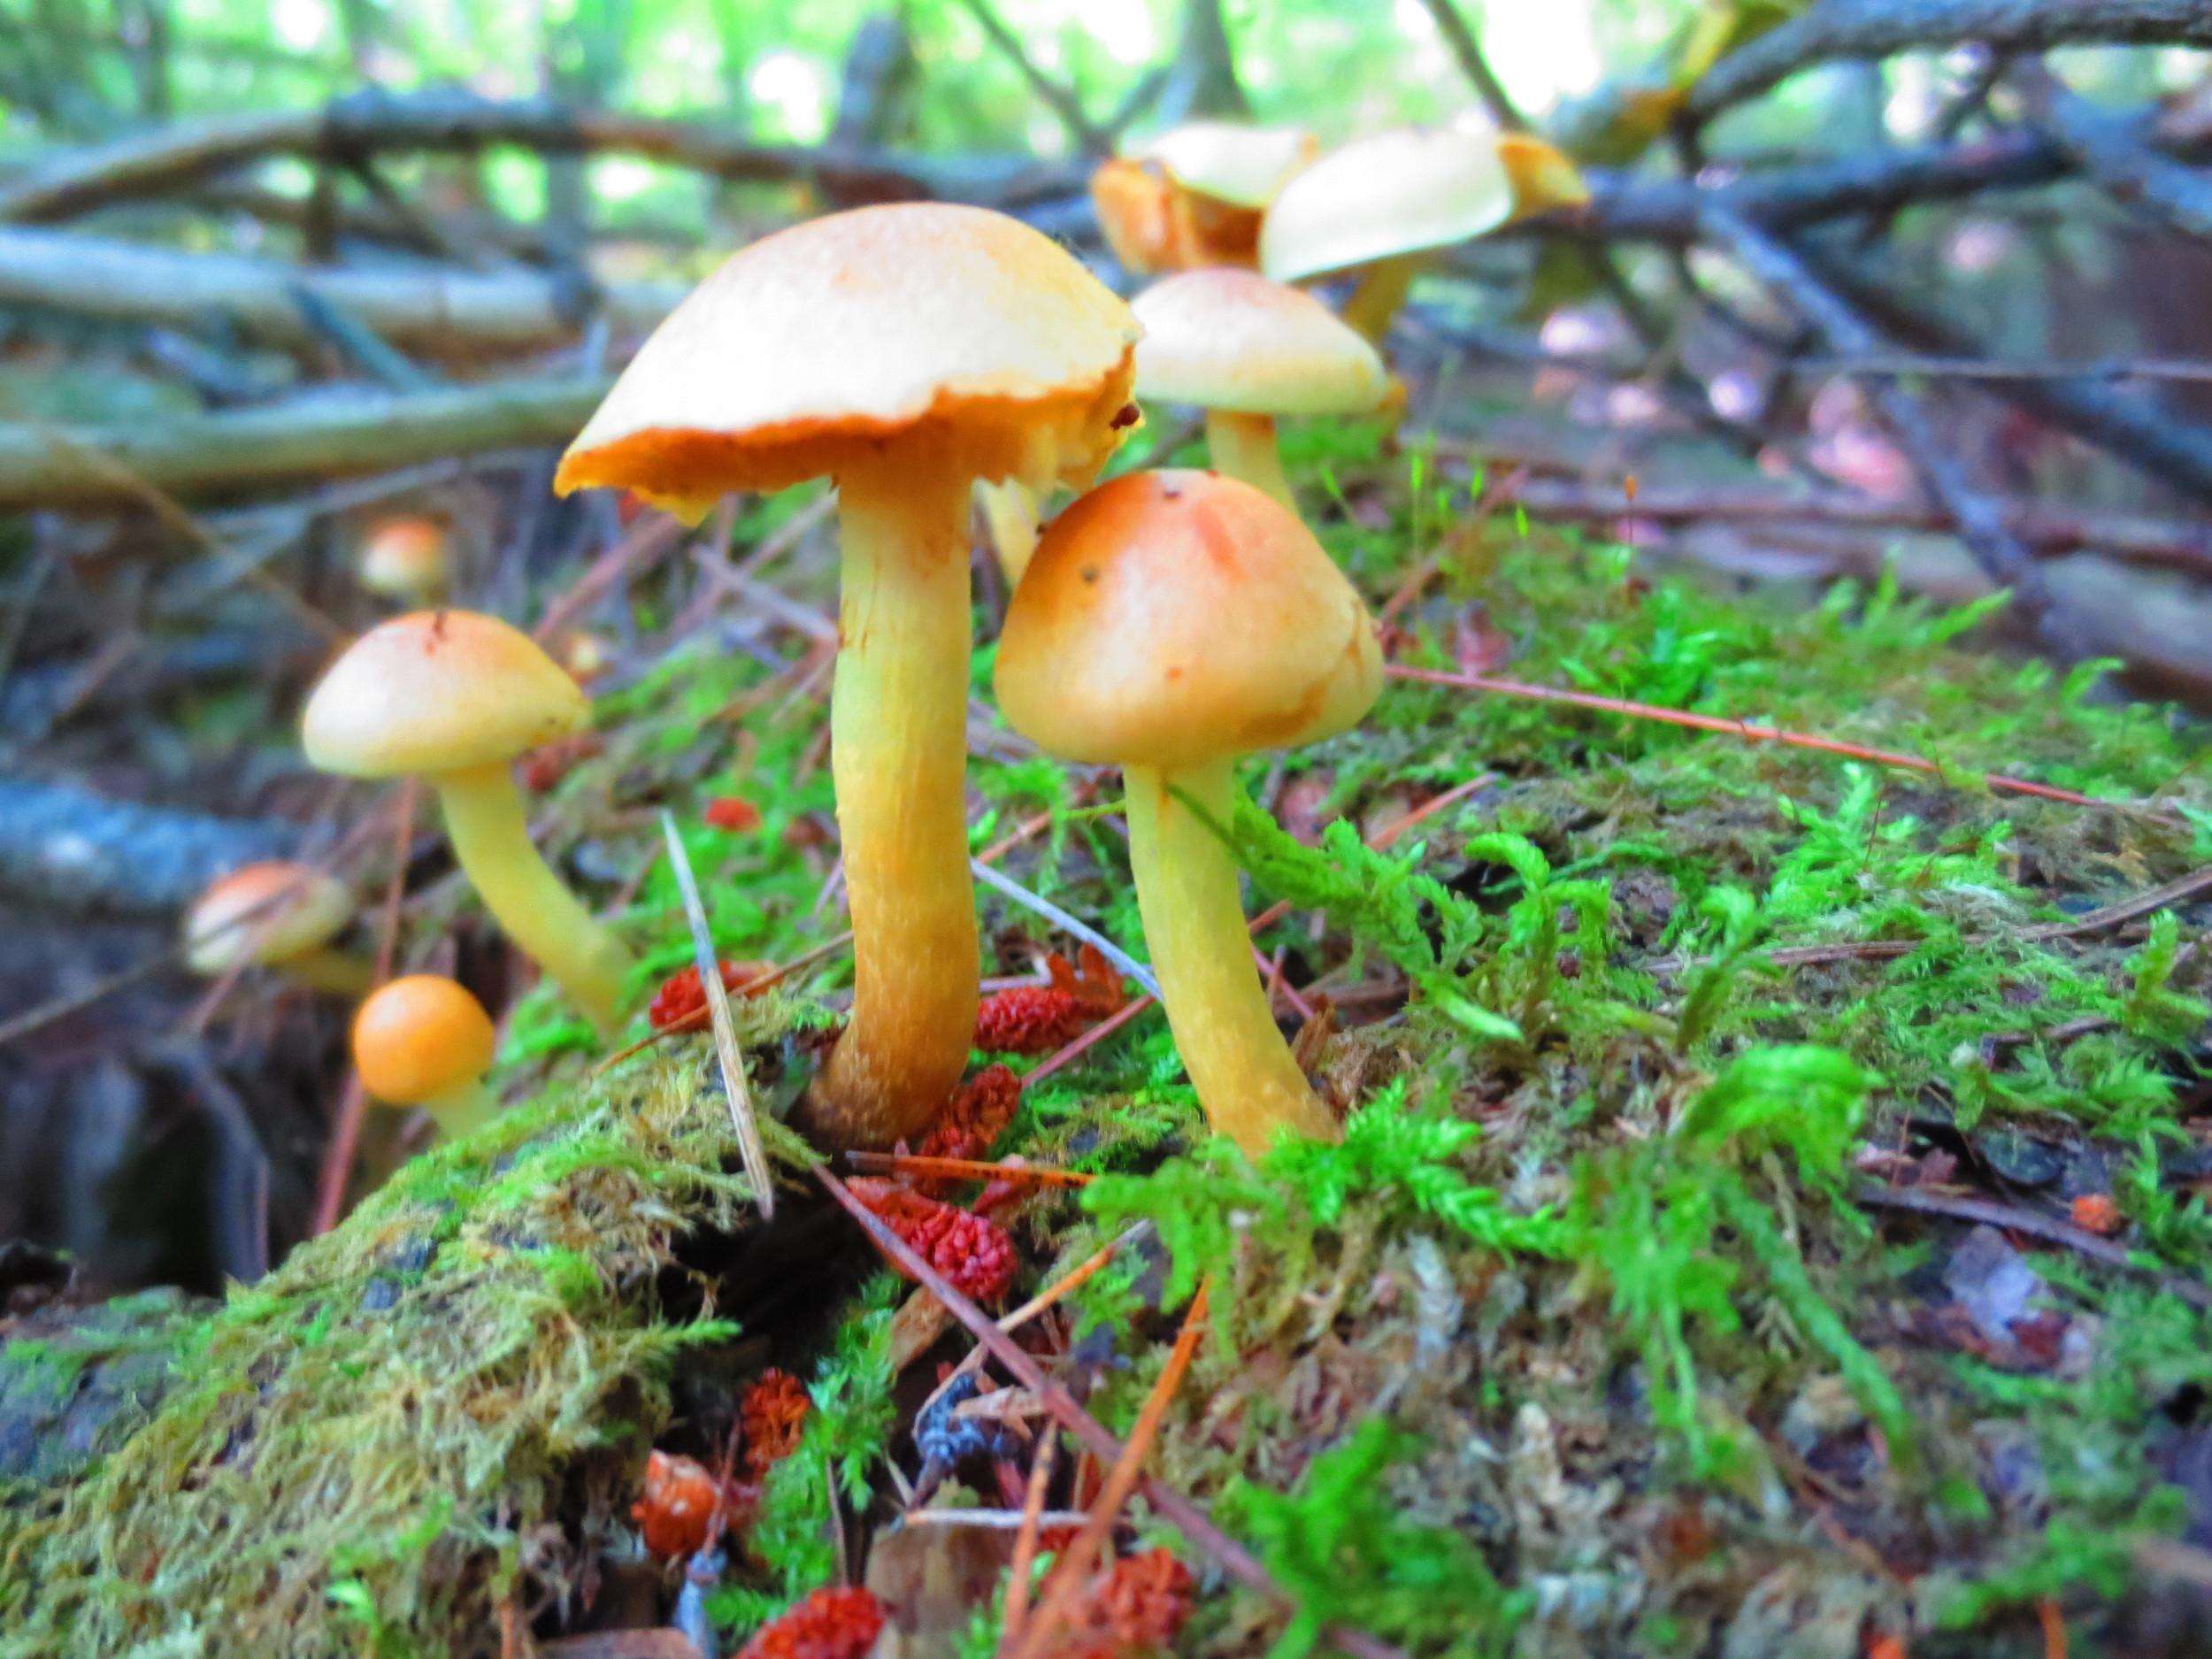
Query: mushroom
405, 559
1384, 206
1010, 518
1543, 176
1196, 194
1245, 350
454, 697
1172, 622
906, 350
278, 915
423, 1040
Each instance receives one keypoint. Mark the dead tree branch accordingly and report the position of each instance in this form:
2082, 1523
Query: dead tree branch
1060, 100
306, 439
1878, 28
74, 850
1457, 34
455, 314
169, 159
1980, 525
2113, 149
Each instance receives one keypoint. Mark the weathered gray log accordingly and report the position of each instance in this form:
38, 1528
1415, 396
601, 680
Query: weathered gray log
366, 123
68, 848
434, 313
310, 438
1877, 28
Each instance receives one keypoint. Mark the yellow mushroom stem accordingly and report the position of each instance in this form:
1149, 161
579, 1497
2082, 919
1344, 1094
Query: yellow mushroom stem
1193, 922
1010, 513
1382, 290
899, 751
324, 968
491, 842
1244, 447
462, 1110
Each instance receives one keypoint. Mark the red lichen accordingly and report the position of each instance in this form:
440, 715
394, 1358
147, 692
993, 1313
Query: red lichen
732, 812
828, 1625
1033, 1019
677, 1513
1136, 1606
680, 997
773, 1415
972, 1251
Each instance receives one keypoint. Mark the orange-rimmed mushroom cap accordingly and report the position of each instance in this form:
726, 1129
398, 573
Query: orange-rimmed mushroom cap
819, 346
1407, 191
1174, 618
263, 912
1223, 338
1229, 161
1543, 176
438, 691
404, 557
419, 1037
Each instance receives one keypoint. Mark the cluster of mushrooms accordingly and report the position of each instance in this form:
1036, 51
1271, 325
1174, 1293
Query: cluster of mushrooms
1168, 622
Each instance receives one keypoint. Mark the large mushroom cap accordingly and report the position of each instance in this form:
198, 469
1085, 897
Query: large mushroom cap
815, 347
1178, 616
438, 691
1404, 191
1229, 161
420, 1036
263, 913
1228, 339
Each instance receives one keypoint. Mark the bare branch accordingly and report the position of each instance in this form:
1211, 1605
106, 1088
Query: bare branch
1461, 38
1981, 526
304, 439
1878, 28
2113, 149
1060, 100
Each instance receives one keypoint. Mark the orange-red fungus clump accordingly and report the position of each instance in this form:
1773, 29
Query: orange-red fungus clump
681, 997
546, 765
828, 1625
677, 1513
732, 812
972, 1251
773, 1415
975, 1116
1136, 1606
1038, 1018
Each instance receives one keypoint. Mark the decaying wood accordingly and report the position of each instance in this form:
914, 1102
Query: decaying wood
68, 848
308, 438
436, 312
366, 123
1865, 29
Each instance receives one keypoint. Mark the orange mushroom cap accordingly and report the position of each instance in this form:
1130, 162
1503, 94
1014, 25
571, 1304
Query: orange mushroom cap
438, 691
816, 348
263, 912
420, 1036
1174, 618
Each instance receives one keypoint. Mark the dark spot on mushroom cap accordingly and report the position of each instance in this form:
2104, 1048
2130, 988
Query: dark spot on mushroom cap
1127, 415
1090, 572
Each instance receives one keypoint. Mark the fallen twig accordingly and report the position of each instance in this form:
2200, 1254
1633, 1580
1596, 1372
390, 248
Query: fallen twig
964, 1169
2027, 1221
1750, 733
1180, 1512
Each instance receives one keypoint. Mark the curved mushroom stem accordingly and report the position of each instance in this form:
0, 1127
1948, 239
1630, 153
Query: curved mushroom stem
1382, 290
464, 1108
321, 968
1010, 512
491, 842
1244, 447
899, 753
1193, 921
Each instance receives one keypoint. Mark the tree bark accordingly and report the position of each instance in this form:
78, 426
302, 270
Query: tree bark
1204, 80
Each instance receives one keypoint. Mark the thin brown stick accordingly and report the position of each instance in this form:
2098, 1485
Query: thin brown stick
1074, 1565
2028, 1221
1745, 730
1041, 1471
964, 1169
1179, 1510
